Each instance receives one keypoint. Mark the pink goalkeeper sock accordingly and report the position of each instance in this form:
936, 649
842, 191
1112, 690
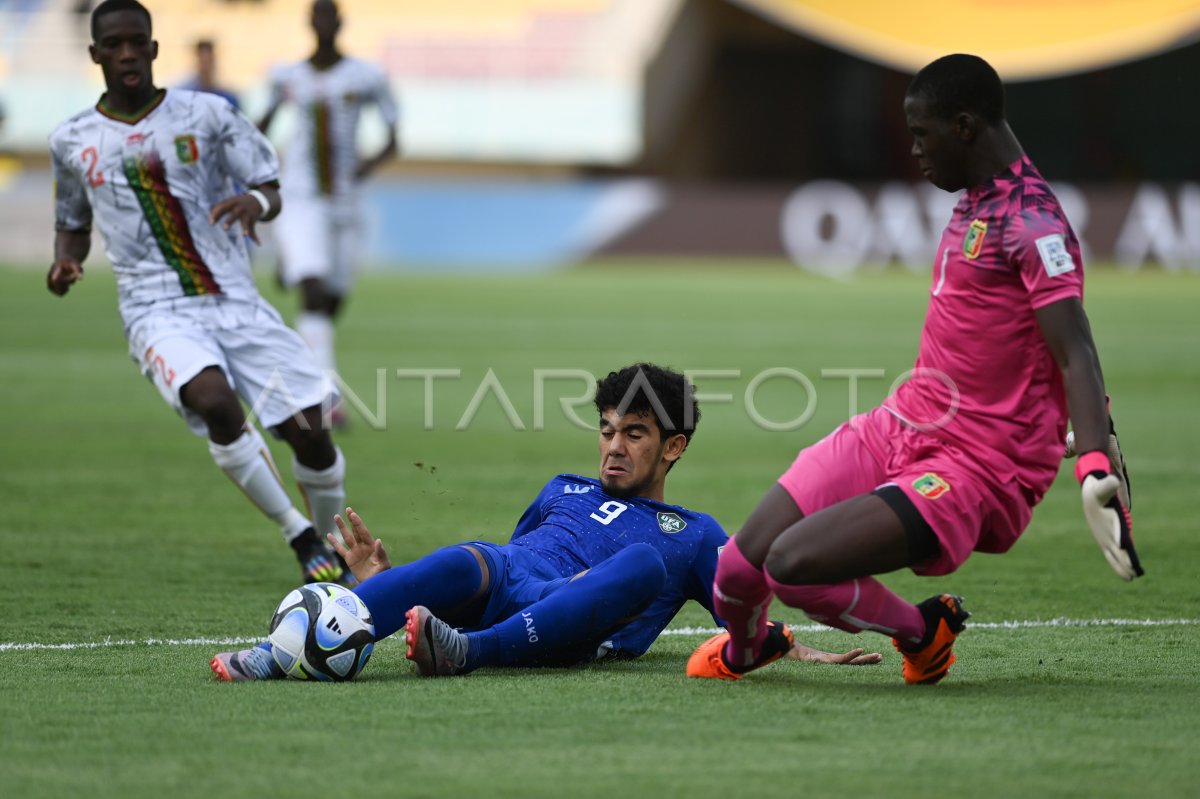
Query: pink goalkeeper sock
854, 606
741, 597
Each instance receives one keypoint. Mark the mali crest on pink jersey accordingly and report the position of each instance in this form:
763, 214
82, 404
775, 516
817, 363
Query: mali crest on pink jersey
973, 241
930, 486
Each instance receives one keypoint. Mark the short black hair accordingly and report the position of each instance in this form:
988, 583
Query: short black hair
961, 82
646, 389
110, 6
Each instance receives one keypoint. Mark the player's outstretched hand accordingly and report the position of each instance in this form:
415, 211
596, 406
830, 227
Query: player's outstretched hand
363, 553
243, 208
1107, 503
1107, 513
63, 273
855, 657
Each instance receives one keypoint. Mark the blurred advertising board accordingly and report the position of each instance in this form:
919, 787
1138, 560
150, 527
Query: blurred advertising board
840, 228
835, 228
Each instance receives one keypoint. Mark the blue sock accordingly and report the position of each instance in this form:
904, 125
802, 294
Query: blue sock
569, 624
441, 581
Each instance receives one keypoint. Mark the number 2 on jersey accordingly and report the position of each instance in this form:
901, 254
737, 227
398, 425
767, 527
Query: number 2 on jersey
90, 159
611, 510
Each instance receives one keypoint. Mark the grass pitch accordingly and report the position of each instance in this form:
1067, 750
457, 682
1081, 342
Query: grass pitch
135, 560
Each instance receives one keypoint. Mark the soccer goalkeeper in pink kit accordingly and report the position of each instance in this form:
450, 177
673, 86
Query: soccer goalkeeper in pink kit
957, 458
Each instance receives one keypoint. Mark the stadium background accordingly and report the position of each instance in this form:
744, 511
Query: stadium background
686, 156
555, 130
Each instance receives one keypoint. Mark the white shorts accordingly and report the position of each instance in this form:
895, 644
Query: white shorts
319, 237
266, 362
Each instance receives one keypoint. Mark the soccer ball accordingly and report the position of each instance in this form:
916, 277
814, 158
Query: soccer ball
322, 631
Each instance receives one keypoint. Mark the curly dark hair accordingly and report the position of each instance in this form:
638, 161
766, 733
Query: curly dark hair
109, 6
960, 82
647, 389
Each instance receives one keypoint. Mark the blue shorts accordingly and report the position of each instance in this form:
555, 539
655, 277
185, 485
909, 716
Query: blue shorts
520, 577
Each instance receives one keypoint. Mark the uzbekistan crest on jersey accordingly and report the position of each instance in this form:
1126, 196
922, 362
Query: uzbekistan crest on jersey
930, 486
670, 523
973, 241
186, 149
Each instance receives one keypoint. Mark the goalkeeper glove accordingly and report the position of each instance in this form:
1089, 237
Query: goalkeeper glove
1116, 461
1104, 483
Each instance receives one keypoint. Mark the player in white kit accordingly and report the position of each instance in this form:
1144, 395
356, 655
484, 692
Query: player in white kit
318, 230
155, 170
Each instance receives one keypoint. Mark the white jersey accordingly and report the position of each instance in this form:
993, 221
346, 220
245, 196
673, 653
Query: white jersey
321, 156
151, 181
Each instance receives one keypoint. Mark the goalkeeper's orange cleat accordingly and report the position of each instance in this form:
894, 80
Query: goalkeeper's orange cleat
931, 660
709, 658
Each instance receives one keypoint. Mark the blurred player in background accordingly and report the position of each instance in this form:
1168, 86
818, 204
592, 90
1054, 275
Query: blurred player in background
205, 79
318, 231
957, 458
594, 568
154, 169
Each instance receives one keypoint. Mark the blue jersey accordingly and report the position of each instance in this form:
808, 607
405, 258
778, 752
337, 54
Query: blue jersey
575, 525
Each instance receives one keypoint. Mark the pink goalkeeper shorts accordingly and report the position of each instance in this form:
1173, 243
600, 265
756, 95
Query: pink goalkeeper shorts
965, 507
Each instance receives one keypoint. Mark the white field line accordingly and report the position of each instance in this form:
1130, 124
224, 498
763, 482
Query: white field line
985, 625
107, 643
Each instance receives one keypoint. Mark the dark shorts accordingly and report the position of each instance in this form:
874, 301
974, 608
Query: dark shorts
520, 577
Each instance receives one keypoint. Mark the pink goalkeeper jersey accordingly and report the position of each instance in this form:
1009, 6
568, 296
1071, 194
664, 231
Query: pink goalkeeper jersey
985, 378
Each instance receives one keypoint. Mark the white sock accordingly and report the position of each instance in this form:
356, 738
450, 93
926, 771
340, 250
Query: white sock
317, 331
324, 492
248, 463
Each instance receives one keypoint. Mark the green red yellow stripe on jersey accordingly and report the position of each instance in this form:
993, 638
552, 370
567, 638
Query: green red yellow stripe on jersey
322, 150
148, 179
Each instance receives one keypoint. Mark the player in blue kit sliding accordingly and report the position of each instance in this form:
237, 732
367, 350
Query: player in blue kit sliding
594, 568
